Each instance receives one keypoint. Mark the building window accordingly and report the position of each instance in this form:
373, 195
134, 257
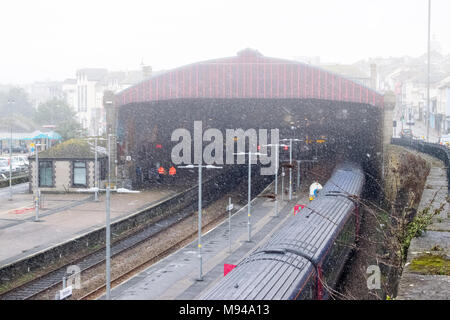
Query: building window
103, 168
79, 173
45, 174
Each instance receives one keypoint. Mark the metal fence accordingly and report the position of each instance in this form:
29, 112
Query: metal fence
16, 178
433, 149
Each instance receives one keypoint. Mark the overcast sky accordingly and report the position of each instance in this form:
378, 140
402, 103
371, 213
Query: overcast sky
51, 39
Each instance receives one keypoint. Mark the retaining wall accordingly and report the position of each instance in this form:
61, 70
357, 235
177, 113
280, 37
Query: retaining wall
438, 151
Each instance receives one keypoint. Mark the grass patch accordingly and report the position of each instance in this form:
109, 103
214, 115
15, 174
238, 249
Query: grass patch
431, 264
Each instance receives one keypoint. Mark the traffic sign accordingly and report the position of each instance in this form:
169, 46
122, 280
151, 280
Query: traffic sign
230, 207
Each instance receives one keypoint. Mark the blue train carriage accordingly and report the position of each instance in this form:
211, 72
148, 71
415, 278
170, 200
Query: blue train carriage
305, 258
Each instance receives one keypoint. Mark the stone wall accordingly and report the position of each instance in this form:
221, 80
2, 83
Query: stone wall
63, 175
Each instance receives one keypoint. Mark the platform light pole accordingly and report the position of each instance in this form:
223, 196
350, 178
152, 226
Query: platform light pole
290, 163
199, 244
36, 188
96, 182
10, 102
249, 199
108, 230
277, 166
298, 170
108, 224
428, 71
229, 208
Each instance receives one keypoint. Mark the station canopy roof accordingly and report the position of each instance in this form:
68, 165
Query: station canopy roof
35, 135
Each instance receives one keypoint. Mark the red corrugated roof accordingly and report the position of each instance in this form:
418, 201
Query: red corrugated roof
249, 75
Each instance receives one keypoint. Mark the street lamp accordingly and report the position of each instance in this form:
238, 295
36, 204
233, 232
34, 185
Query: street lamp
277, 164
249, 186
290, 163
10, 102
199, 245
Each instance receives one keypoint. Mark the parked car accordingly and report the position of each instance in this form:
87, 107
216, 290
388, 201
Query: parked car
4, 167
445, 140
15, 168
406, 133
21, 162
19, 149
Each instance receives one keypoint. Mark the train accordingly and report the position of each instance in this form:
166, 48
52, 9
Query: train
305, 258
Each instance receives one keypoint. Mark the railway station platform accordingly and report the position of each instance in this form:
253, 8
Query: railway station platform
175, 277
62, 218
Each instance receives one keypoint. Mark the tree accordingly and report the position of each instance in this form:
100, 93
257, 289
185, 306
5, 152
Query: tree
58, 113
15, 102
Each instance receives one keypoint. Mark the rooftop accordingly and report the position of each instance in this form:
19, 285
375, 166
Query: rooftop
71, 149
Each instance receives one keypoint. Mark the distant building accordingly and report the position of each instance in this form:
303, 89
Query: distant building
91, 83
43, 91
354, 73
315, 61
69, 88
443, 102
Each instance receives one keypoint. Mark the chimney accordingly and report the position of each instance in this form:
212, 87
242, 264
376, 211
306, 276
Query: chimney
146, 71
373, 76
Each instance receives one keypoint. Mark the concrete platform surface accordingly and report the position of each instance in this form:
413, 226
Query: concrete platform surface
63, 217
175, 277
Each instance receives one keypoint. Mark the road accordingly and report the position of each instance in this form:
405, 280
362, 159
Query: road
17, 189
419, 129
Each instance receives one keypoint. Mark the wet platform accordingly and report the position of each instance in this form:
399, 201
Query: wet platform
176, 276
63, 217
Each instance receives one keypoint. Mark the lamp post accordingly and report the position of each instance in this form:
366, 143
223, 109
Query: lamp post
10, 102
108, 230
37, 197
249, 187
95, 164
290, 163
277, 165
199, 244
298, 170
428, 71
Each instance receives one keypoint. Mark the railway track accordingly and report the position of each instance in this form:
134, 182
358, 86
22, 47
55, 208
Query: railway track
54, 279
99, 291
